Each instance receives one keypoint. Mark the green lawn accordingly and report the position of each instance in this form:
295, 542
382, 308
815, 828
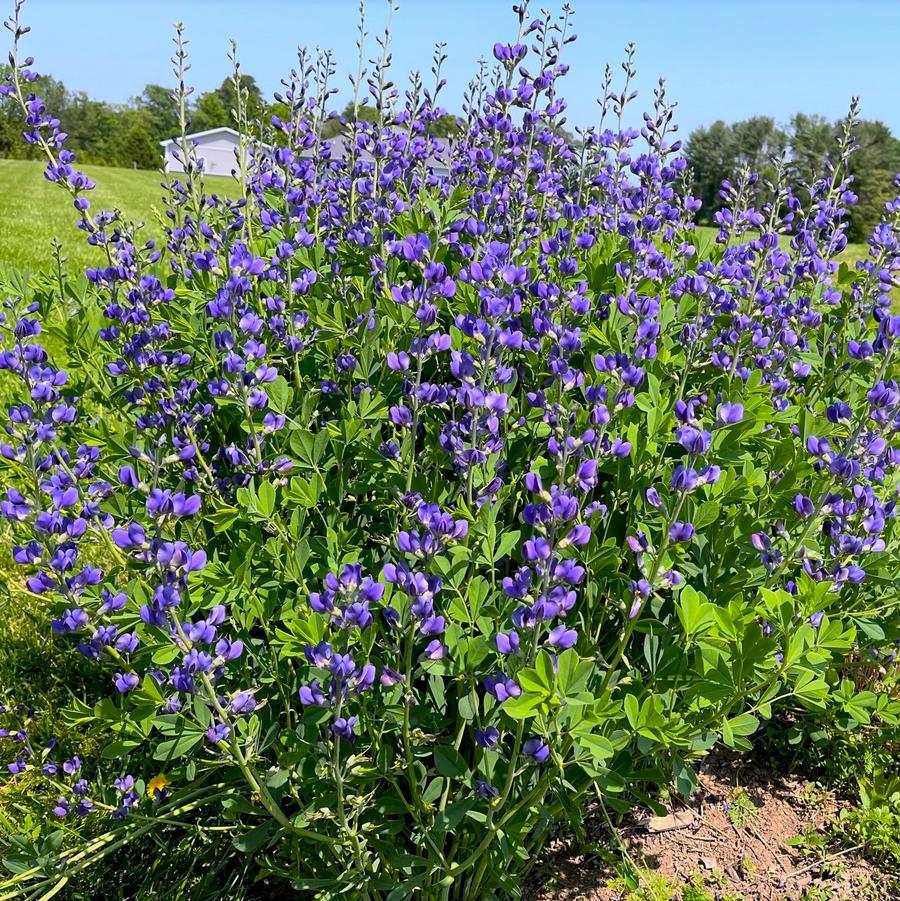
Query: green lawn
32, 211
852, 253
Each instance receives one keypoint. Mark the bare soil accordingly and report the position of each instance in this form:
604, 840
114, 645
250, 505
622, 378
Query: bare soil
752, 861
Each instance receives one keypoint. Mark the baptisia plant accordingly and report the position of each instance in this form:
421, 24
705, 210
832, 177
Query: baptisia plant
408, 514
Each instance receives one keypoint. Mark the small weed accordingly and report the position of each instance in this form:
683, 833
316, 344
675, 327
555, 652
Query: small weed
875, 823
815, 844
814, 795
817, 893
740, 808
650, 887
696, 890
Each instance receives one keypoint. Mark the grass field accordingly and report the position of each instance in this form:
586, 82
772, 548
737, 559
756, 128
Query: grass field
32, 211
852, 253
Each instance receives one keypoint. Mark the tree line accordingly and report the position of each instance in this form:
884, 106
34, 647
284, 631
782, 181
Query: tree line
129, 135
126, 134
806, 144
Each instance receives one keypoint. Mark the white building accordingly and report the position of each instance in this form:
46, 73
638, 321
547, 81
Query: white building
217, 148
340, 150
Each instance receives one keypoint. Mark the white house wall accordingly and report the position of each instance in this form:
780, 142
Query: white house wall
218, 153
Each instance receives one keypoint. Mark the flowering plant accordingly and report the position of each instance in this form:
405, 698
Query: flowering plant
416, 510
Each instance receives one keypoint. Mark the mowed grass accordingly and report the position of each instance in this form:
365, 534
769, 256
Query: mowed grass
852, 252
33, 211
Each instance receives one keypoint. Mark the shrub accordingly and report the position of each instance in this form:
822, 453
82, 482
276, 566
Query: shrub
404, 512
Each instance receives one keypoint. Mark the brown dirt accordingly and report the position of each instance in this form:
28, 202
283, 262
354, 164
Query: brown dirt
752, 862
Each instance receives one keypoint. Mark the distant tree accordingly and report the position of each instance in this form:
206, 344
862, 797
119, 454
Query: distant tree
873, 166
758, 141
162, 117
718, 152
712, 155
210, 112
92, 128
227, 93
812, 141
137, 144
335, 124
122, 135
446, 126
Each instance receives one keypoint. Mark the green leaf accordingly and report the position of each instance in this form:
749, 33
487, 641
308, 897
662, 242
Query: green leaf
266, 499
452, 816
598, 746
695, 612
450, 763
468, 706
523, 707
251, 841
572, 673
173, 748
684, 775
533, 681
744, 724
632, 711
120, 748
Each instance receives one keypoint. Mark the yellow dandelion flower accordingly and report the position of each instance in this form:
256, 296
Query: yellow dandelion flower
157, 786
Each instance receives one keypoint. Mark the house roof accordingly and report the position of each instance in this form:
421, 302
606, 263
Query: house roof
202, 134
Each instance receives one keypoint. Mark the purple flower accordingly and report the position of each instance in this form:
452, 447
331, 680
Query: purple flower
502, 687
562, 638
508, 643
694, 441
536, 749
684, 479
487, 737
435, 650
343, 727
485, 790
218, 732
680, 532
126, 682
242, 703
729, 413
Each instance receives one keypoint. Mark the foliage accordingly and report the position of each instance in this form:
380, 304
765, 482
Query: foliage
401, 513
696, 890
652, 887
720, 150
875, 823
740, 808
859, 735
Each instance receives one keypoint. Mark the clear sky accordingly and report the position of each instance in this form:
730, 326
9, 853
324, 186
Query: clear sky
725, 59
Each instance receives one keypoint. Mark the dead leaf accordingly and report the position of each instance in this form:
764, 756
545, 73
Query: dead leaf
679, 820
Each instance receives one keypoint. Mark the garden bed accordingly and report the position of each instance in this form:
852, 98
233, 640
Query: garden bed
755, 854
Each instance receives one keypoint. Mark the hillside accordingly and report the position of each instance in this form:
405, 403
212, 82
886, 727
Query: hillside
32, 210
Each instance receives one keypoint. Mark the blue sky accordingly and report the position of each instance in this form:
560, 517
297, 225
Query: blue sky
724, 59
